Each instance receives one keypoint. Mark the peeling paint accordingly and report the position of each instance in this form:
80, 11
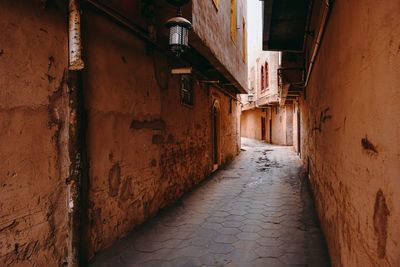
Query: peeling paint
114, 178
354, 158
156, 124
75, 45
381, 214
367, 145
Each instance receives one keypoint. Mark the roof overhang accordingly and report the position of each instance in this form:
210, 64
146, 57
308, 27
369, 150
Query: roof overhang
199, 57
284, 24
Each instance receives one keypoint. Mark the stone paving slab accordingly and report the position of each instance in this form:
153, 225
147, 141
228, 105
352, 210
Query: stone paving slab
255, 212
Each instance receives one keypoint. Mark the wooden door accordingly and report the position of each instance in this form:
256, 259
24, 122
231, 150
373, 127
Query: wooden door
263, 129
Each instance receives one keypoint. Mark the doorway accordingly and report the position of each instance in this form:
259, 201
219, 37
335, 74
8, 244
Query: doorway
215, 135
270, 131
263, 130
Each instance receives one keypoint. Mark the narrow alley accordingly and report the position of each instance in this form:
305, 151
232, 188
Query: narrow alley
199, 133
256, 212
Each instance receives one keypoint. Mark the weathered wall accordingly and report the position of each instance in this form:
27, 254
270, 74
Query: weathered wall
282, 124
123, 103
230, 123
272, 58
289, 124
33, 49
251, 123
186, 148
212, 26
350, 134
296, 127
145, 148
278, 115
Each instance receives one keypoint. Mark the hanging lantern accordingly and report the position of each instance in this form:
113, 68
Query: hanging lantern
250, 98
178, 33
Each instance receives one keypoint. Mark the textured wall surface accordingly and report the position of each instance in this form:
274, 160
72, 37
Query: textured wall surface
281, 122
145, 148
271, 60
289, 124
33, 49
296, 127
282, 127
251, 123
123, 103
351, 133
212, 26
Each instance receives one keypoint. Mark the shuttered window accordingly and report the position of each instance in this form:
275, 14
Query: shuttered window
233, 20
186, 90
244, 40
215, 3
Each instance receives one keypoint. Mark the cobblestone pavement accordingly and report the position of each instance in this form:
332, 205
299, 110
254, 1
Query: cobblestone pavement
255, 212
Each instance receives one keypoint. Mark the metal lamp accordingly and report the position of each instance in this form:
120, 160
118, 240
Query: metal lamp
178, 30
250, 98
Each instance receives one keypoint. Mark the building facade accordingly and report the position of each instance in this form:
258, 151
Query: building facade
340, 64
266, 117
90, 154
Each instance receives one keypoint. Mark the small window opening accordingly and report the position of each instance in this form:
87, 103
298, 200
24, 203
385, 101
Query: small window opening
266, 78
187, 90
262, 78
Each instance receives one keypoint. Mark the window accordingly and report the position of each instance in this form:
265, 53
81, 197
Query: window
186, 90
244, 40
238, 14
230, 105
215, 2
262, 78
266, 76
280, 59
233, 20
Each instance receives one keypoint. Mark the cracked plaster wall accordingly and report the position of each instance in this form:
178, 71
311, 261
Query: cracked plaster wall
350, 133
33, 169
145, 148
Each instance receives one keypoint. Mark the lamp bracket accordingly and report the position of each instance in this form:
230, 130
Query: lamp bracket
178, 3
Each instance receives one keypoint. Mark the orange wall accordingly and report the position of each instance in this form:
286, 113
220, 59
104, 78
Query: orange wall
145, 149
136, 170
296, 127
282, 125
281, 121
351, 133
251, 123
33, 110
213, 27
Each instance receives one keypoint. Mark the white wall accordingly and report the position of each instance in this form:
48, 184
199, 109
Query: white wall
254, 32
256, 56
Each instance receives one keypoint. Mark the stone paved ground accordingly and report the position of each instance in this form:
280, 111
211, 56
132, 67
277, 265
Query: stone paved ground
255, 212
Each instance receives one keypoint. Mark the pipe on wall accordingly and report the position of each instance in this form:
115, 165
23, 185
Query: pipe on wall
321, 31
76, 151
74, 38
77, 180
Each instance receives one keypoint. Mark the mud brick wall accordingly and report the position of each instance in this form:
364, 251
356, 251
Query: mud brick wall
212, 26
145, 148
282, 124
351, 133
33, 49
251, 123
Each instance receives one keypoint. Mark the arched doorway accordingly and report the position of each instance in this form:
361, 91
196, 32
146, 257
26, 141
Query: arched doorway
215, 135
